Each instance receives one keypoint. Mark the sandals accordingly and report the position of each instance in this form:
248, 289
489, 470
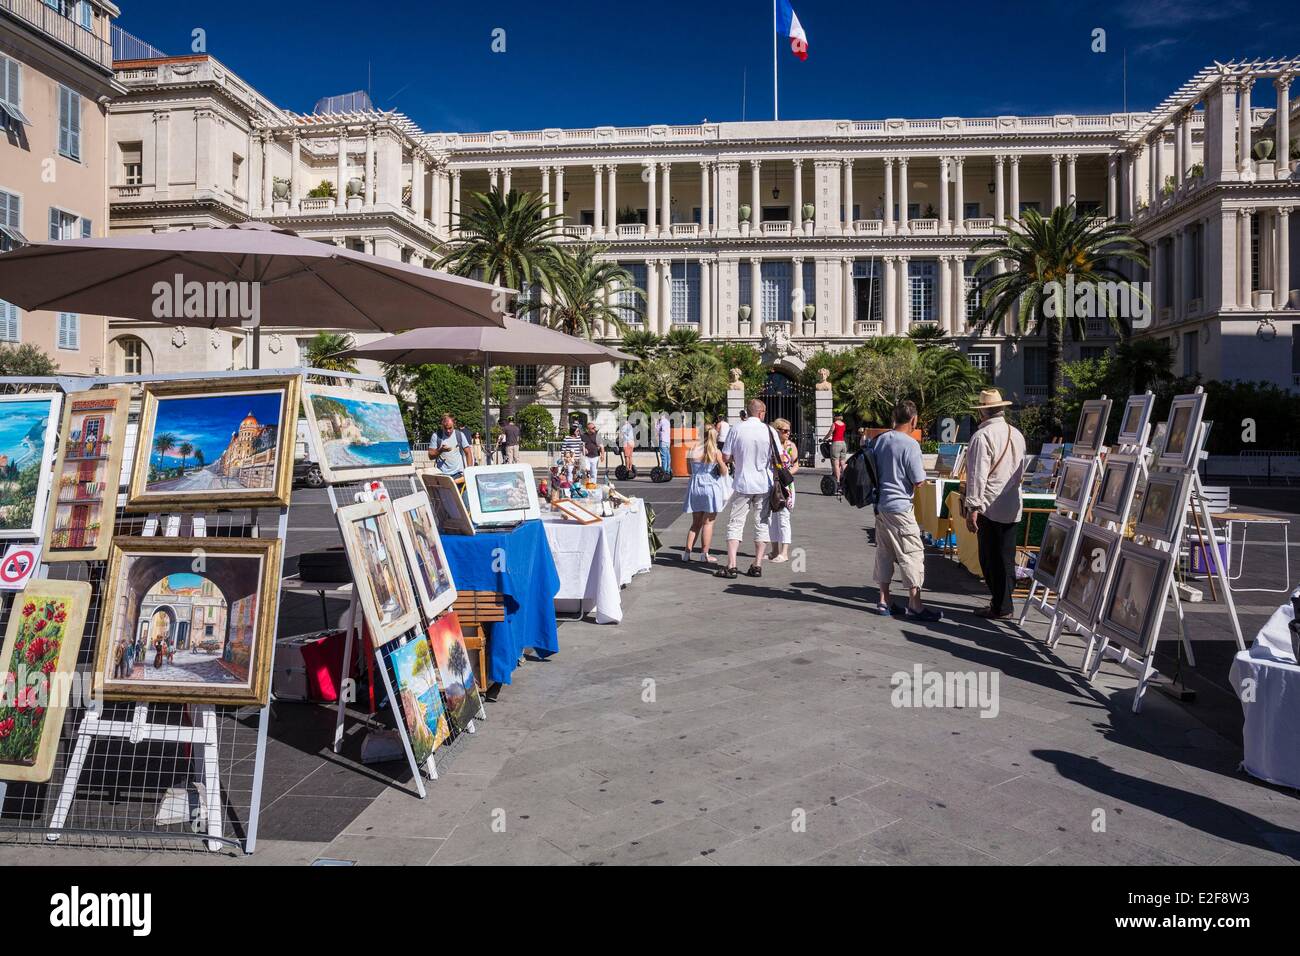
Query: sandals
730, 573
754, 571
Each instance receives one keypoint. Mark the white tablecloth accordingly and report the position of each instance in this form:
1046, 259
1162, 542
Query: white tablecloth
1268, 674
596, 560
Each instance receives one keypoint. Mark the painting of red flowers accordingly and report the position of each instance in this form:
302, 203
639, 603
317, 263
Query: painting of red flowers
40, 657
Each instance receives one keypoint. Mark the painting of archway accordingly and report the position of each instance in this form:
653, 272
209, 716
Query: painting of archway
192, 620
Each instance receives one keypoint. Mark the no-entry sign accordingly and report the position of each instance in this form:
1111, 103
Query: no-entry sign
17, 566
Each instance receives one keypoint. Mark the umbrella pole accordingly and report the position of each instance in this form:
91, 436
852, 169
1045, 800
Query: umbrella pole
487, 407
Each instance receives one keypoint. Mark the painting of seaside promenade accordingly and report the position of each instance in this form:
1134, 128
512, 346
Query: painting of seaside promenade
356, 434
215, 446
28, 424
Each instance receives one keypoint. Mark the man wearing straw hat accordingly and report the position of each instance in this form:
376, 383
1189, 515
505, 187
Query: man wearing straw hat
995, 463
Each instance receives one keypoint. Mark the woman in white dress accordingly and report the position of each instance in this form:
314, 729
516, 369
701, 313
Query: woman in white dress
707, 493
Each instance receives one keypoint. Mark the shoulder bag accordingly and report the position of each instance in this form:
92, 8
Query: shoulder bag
778, 497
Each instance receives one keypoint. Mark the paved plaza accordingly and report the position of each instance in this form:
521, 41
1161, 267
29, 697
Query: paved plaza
752, 722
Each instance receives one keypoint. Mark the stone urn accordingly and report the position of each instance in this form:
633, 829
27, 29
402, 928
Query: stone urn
809, 210
280, 189
1263, 149
744, 312
809, 314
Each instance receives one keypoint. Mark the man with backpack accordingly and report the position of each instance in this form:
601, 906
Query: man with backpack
897, 458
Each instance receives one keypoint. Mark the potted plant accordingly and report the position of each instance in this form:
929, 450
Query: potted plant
809, 313
744, 312
323, 191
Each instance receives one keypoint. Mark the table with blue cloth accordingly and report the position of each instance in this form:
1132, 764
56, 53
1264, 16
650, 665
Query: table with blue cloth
529, 581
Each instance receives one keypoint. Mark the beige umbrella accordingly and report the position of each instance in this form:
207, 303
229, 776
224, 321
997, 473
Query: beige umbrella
213, 278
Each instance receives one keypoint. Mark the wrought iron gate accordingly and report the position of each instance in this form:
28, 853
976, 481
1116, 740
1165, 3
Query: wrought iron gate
786, 398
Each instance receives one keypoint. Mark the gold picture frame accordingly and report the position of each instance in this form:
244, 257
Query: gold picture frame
35, 615
383, 587
220, 470
229, 571
575, 512
449, 508
87, 475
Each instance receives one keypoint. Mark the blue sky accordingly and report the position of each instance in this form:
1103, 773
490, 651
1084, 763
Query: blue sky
585, 63
208, 422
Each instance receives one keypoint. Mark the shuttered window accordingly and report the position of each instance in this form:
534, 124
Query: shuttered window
69, 331
8, 321
69, 123
11, 219
132, 164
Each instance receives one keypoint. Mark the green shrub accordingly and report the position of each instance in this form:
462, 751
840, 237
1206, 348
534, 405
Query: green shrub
440, 390
536, 427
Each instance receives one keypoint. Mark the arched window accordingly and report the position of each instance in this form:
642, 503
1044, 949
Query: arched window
131, 356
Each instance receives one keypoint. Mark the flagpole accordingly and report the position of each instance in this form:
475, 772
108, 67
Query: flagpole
775, 112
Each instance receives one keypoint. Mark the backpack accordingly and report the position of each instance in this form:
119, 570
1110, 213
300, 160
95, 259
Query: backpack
861, 487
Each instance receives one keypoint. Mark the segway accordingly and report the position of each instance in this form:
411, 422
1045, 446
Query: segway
828, 485
624, 473
658, 475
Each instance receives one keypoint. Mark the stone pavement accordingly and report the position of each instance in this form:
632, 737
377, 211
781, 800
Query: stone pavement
751, 722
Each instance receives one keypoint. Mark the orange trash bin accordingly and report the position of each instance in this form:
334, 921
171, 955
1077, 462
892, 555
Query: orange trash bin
683, 440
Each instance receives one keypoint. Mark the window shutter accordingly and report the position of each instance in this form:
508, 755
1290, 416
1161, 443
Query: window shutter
63, 121
131, 154
69, 330
55, 220
75, 113
8, 321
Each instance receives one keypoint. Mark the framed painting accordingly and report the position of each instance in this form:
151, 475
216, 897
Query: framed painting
1075, 483
449, 511
1089, 569
1056, 550
225, 445
945, 463
1137, 415
1130, 615
421, 701
40, 651
501, 494
1163, 504
87, 471
1092, 427
356, 434
1182, 430
378, 574
424, 554
1119, 480
28, 425
192, 620
463, 702
574, 512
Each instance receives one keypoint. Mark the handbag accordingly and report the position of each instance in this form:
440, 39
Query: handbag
778, 498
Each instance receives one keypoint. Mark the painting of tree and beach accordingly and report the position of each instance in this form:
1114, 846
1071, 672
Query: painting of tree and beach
358, 433
23, 427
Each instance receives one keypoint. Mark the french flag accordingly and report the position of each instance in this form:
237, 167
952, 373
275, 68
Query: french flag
788, 25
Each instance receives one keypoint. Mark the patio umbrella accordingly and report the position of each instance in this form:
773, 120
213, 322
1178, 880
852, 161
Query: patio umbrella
515, 343
295, 282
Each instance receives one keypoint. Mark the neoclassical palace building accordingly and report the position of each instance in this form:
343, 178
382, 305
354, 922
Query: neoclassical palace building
793, 236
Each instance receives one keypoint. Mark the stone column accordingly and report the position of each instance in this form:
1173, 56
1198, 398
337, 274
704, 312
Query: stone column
889, 195
945, 295
850, 301
455, 199
1014, 212
904, 297
849, 228
959, 295
756, 294
666, 297
959, 200
611, 211
824, 409
417, 185
370, 166
506, 176
796, 297
826, 196
735, 402
706, 296
1176, 292
945, 213
889, 308
798, 195
1112, 186
727, 198
1283, 121
652, 295
494, 180
999, 195
1154, 148
598, 228
341, 171
648, 173
1129, 206
546, 188
1282, 271
295, 174
902, 195
1243, 127
160, 172
666, 218
755, 196
704, 200
1244, 261
438, 200
1071, 180
1056, 180
558, 198
1180, 158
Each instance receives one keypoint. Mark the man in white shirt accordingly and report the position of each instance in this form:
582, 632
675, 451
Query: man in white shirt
750, 448
724, 429
995, 465
663, 432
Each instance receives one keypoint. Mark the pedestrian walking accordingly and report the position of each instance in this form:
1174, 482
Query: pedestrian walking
448, 446
706, 494
573, 441
627, 443
752, 448
839, 447
897, 456
778, 525
995, 465
664, 437
591, 450
510, 437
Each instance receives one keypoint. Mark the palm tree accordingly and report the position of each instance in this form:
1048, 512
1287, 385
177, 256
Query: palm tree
1143, 362
684, 341
186, 449
323, 352
927, 335
198, 458
162, 444
583, 288
642, 343
1040, 254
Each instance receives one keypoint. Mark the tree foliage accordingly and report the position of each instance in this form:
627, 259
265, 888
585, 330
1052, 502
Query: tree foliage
940, 380
26, 361
536, 427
